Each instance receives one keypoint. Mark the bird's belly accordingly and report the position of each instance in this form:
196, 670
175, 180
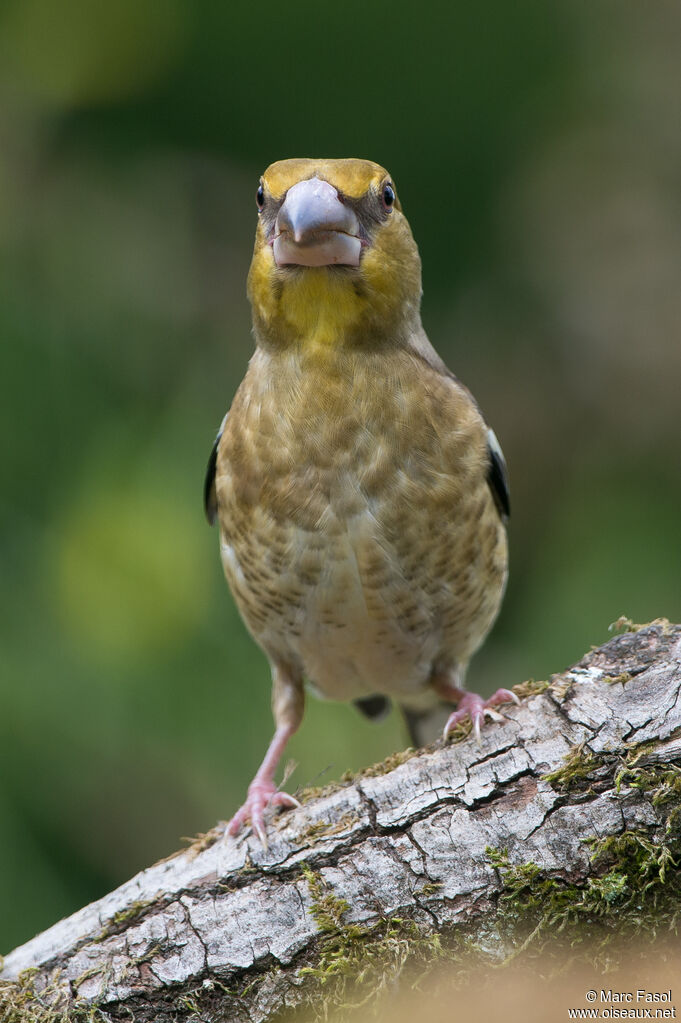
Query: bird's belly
362, 603
352, 636
361, 633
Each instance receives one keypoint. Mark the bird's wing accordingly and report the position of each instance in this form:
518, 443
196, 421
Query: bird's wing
210, 497
497, 476
497, 473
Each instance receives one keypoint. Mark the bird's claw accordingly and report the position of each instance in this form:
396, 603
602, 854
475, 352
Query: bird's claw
260, 796
473, 706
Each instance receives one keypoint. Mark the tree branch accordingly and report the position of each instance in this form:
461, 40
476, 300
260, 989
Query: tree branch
404, 857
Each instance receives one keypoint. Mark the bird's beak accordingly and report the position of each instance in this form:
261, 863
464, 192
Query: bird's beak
314, 228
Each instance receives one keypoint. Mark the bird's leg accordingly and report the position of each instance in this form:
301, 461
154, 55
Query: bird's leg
470, 705
262, 791
287, 707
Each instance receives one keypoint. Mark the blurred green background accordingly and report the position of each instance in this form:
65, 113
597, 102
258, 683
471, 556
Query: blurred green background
537, 152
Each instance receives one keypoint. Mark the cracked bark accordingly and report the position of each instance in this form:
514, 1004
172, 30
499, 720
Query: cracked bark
228, 925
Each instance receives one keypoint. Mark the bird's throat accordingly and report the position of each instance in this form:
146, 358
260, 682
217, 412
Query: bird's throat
311, 308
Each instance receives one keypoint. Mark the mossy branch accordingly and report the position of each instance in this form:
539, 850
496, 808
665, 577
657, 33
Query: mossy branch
565, 825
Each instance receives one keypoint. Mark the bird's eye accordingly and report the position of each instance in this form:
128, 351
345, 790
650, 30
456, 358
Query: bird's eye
388, 196
260, 196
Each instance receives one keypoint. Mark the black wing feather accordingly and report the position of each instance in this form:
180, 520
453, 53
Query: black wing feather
210, 497
497, 476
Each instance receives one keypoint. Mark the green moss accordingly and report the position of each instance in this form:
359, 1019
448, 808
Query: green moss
636, 892
612, 680
662, 782
374, 771
624, 624
357, 960
326, 829
119, 921
327, 909
645, 862
312, 792
638, 896
384, 767
531, 687
560, 686
460, 732
204, 840
430, 888
576, 768
551, 905
93, 971
637, 751
20, 1002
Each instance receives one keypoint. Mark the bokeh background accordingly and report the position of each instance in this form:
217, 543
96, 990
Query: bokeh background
537, 152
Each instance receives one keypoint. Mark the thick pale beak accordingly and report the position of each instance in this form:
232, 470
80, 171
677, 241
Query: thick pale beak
314, 228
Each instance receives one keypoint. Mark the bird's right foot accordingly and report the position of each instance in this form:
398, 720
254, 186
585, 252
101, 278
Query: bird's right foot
261, 794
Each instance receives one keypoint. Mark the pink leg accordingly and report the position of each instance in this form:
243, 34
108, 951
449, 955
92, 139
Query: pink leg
262, 791
287, 705
471, 705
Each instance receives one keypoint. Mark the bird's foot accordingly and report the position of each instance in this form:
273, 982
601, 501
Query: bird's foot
477, 709
261, 794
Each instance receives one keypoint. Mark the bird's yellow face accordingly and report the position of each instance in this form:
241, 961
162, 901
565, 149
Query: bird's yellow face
334, 262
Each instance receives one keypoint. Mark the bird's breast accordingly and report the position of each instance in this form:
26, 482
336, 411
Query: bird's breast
356, 524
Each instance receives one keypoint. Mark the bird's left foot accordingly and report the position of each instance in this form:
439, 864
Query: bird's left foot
477, 709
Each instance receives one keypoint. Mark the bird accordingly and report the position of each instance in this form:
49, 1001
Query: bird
361, 497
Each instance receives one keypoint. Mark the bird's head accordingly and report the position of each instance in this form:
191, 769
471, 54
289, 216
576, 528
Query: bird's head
334, 259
